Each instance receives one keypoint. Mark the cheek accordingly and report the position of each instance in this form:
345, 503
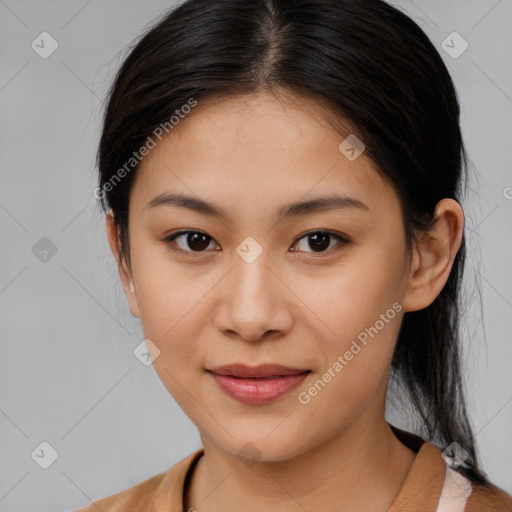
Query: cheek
355, 372
361, 307
173, 311
359, 295
168, 293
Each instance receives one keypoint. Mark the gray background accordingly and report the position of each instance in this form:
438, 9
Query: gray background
67, 372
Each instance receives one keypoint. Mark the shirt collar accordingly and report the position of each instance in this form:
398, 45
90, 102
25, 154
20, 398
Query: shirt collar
420, 491
424, 482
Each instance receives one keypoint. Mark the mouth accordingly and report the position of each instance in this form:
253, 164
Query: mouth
257, 385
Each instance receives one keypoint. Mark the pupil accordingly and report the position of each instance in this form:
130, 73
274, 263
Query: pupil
194, 238
321, 239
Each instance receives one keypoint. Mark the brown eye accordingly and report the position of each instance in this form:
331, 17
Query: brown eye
319, 241
192, 241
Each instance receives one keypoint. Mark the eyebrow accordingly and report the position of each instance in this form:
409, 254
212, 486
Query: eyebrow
300, 208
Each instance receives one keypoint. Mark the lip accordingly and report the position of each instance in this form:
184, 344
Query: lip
257, 385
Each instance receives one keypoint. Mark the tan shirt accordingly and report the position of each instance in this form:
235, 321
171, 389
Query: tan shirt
430, 486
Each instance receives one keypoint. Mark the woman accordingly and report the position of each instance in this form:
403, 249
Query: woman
282, 181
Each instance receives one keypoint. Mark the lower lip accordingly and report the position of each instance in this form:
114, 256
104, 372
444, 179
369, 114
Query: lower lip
258, 391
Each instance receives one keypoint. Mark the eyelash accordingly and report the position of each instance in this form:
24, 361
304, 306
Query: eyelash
342, 241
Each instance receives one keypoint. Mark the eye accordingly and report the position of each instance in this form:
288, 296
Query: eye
319, 241
197, 241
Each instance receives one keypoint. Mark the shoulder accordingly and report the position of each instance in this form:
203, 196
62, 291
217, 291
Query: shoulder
460, 494
488, 499
432, 485
156, 493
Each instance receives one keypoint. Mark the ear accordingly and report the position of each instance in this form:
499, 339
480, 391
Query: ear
124, 270
433, 256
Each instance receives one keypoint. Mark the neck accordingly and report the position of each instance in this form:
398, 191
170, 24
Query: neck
361, 468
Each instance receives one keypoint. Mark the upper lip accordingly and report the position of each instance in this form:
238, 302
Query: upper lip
264, 370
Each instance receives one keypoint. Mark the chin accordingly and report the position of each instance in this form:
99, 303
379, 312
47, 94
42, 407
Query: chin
252, 445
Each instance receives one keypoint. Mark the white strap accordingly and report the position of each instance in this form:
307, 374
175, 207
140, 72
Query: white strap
455, 493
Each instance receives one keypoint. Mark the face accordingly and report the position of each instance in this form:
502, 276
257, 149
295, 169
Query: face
317, 289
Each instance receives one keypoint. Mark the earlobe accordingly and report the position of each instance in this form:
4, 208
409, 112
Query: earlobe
433, 256
124, 272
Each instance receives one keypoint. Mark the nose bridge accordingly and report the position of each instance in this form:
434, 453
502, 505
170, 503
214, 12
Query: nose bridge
251, 261
251, 277
252, 304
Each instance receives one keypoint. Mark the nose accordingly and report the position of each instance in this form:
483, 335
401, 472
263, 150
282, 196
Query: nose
255, 303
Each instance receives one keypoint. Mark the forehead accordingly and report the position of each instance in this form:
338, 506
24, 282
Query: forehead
259, 150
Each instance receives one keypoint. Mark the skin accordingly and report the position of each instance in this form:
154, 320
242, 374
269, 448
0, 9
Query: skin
250, 155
